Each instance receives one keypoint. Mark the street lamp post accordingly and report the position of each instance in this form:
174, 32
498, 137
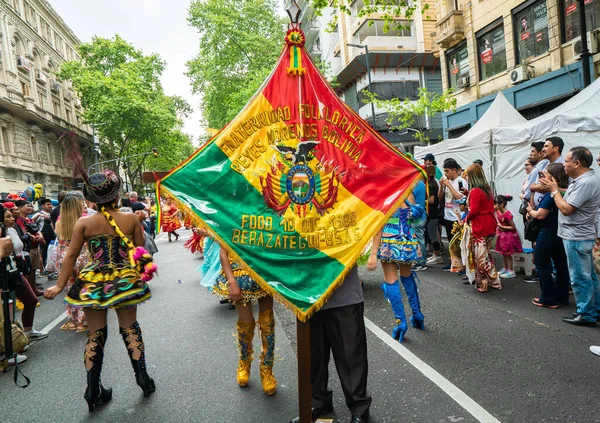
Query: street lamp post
96, 140
368, 76
585, 52
154, 152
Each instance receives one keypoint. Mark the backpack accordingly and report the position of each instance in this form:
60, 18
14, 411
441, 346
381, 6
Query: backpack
47, 231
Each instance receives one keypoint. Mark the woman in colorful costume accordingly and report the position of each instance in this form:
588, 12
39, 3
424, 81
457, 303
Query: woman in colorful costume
396, 246
196, 242
71, 210
169, 221
115, 277
235, 283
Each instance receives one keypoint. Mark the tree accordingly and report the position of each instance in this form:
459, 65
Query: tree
406, 113
388, 10
120, 91
240, 42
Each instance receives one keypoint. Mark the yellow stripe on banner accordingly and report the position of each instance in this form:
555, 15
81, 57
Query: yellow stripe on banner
340, 230
248, 141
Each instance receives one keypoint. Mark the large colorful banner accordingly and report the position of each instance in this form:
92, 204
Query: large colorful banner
296, 185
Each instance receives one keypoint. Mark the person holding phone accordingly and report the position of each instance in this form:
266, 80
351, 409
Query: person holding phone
452, 189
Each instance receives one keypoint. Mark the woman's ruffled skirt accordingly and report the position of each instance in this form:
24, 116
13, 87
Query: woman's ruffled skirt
104, 287
250, 289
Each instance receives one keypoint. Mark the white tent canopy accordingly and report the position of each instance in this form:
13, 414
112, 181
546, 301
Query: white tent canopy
476, 143
577, 122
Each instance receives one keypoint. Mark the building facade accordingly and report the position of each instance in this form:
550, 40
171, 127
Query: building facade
529, 50
400, 61
35, 106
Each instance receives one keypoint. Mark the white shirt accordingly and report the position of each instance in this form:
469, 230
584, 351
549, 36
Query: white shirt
450, 203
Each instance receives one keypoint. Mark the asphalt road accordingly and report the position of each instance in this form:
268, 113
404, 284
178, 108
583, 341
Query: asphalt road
483, 357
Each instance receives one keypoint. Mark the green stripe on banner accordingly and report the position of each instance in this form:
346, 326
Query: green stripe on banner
191, 186
296, 50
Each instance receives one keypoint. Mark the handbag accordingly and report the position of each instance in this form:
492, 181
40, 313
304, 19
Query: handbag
52, 257
19, 339
532, 229
523, 207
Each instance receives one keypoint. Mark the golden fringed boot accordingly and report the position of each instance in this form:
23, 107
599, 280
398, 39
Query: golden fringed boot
266, 323
245, 332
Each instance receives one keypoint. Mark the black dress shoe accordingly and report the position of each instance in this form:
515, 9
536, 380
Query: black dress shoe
318, 412
579, 321
597, 318
360, 418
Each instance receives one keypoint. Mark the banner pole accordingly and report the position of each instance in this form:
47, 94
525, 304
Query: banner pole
304, 386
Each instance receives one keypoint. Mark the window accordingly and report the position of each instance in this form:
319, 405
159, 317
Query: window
25, 88
34, 149
457, 65
30, 15
570, 17
5, 141
491, 47
56, 105
41, 98
389, 90
46, 32
68, 115
531, 30
17, 7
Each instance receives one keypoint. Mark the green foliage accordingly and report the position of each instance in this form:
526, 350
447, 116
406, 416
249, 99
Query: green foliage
390, 11
324, 67
120, 91
406, 113
240, 42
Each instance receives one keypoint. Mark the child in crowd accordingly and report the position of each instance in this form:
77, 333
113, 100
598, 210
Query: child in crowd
457, 231
508, 241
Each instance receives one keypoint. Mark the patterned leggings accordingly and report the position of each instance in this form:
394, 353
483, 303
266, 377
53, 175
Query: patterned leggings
485, 268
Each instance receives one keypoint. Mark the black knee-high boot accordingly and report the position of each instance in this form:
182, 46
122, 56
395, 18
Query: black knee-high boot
95, 394
132, 336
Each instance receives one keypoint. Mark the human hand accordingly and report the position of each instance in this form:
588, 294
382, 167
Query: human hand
548, 183
6, 246
372, 262
235, 292
52, 292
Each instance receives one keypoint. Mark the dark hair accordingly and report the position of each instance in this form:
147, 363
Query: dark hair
125, 202
538, 145
61, 196
451, 164
557, 171
430, 171
43, 201
557, 142
478, 161
582, 155
502, 199
20, 203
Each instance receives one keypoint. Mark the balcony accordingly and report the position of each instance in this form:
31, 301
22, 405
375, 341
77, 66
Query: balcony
385, 43
450, 29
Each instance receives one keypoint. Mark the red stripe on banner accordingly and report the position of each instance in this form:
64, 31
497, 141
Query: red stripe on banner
342, 142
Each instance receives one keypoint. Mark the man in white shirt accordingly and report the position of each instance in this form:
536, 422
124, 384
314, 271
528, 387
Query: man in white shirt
452, 188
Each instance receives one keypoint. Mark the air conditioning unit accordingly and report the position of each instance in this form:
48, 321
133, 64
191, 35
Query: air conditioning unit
23, 64
55, 87
591, 42
520, 74
463, 82
41, 77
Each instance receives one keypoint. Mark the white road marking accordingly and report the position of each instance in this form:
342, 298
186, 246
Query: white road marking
55, 322
444, 384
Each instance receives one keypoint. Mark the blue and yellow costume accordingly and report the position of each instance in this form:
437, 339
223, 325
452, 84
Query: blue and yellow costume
399, 245
398, 241
245, 330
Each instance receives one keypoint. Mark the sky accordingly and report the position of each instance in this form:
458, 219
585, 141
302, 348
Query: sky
154, 26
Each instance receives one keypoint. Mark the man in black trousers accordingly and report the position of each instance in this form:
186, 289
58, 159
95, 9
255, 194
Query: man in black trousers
339, 327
